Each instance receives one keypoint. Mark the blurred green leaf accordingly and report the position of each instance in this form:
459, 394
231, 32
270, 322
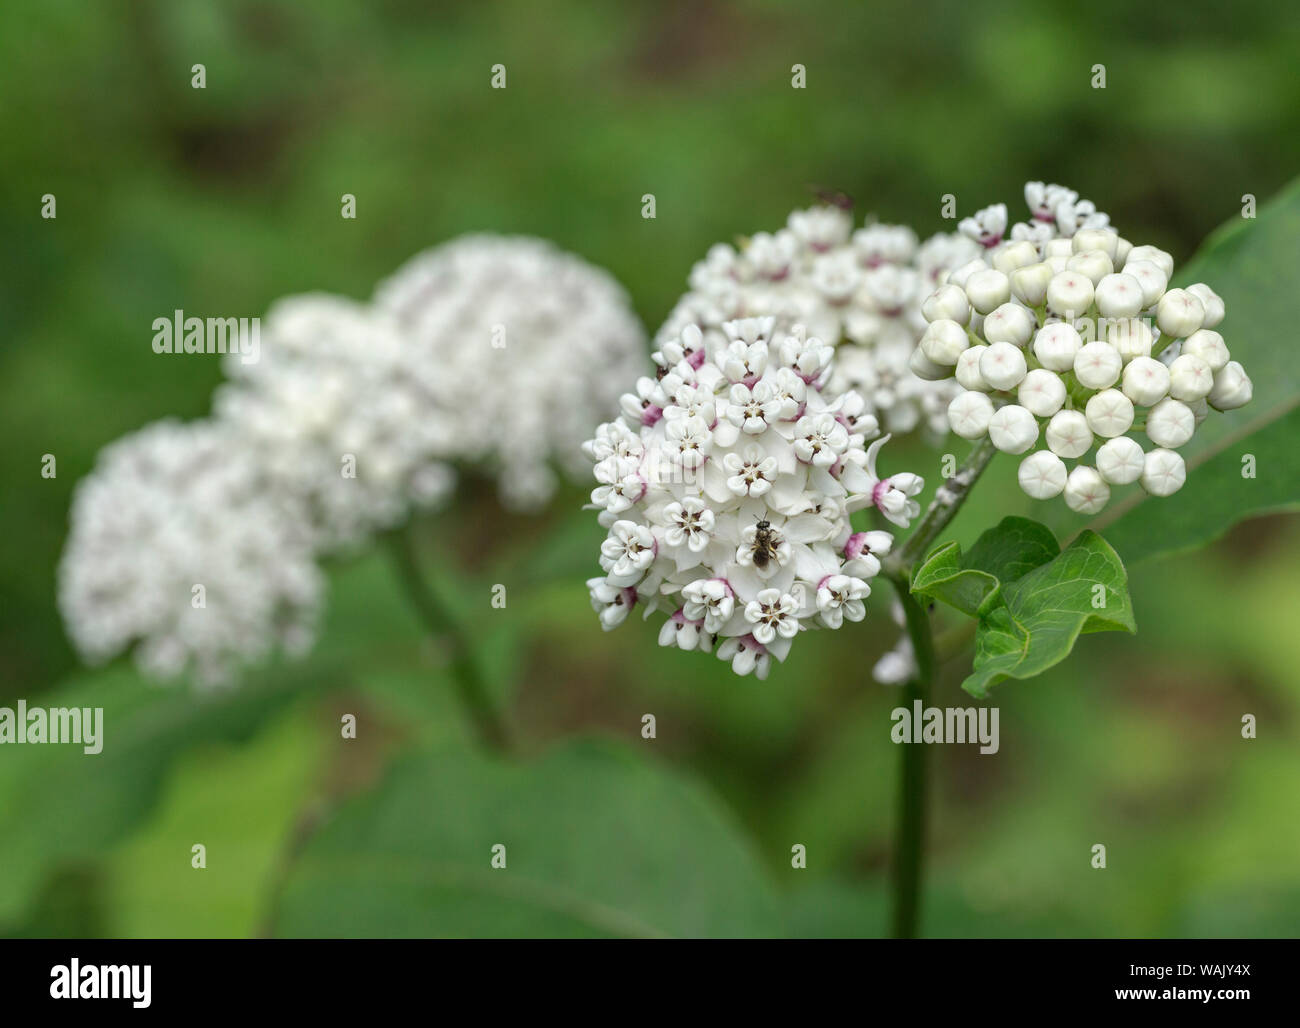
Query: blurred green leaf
971, 582
1042, 614
598, 843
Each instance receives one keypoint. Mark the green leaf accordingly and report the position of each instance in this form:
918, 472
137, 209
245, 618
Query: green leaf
598, 842
1252, 264
1004, 553
1042, 614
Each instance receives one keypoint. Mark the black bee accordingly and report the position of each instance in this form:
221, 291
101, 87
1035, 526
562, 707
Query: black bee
764, 543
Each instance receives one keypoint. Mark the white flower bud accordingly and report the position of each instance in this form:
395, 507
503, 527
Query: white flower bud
943, 342
1211, 301
1097, 365
988, 289
947, 303
1010, 323
960, 276
1056, 345
1146, 381
1131, 337
1029, 284
1190, 378
1122, 248
1093, 263
1170, 423
1120, 460
1042, 475
968, 369
1105, 239
1042, 392
1155, 255
1200, 410
922, 367
1068, 434
1012, 429
1003, 366
1069, 293
1119, 296
969, 414
1163, 473
1011, 256
1086, 491
1059, 248
1151, 277
1232, 388
1209, 346
1109, 413
1179, 314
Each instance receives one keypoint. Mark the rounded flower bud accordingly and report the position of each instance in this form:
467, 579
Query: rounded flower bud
961, 274
968, 369
1069, 293
1120, 460
1209, 346
1029, 284
1170, 423
1012, 429
1122, 248
1055, 346
1179, 314
1093, 263
943, 342
969, 414
1010, 323
1109, 413
947, 303
1163, 473
1131, 337
922, 367
1002, 366
1042, 475
988, 289
1190, 378
1068, 434
1232, 388
1059, 249
1011, 256
1086, 492
1097, 365
1119, 296
1211, 301
1042, 392
1146, 381
1150, 276
1105, 239
1155, 255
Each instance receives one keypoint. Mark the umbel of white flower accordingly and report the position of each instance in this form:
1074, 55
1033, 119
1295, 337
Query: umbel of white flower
860, 291
726, 488
521, 347
1070, 348
177, 549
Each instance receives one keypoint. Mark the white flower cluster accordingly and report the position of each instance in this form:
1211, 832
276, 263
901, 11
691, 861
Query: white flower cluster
526, 346
860, 291
726, 487
1066, 333
177, 546
492, 352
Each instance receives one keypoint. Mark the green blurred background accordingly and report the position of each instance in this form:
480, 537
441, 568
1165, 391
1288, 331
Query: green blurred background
223, 199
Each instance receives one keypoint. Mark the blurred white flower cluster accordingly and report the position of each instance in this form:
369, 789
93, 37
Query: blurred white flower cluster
1064, 338
859, 291
489, 352
726, 487
177, 545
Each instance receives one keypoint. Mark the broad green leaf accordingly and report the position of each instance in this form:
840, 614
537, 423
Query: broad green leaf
971, 582
1253, 265
598, 842
1085, 589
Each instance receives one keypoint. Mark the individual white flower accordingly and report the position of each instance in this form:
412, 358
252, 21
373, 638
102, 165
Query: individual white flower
969, 414
1041, 392
753, 546
1163, 473
1109, 413
514, 349
1003, 366
1170, 423
1056, 346
1120, 460
1042, 475
181, 549
986, 227
1232, 387
1012, 429
1086, 492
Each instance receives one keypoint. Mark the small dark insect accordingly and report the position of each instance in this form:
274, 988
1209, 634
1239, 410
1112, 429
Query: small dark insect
834, 198
764, 543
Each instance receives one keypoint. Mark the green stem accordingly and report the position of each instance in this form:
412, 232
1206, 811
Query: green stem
440, 621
